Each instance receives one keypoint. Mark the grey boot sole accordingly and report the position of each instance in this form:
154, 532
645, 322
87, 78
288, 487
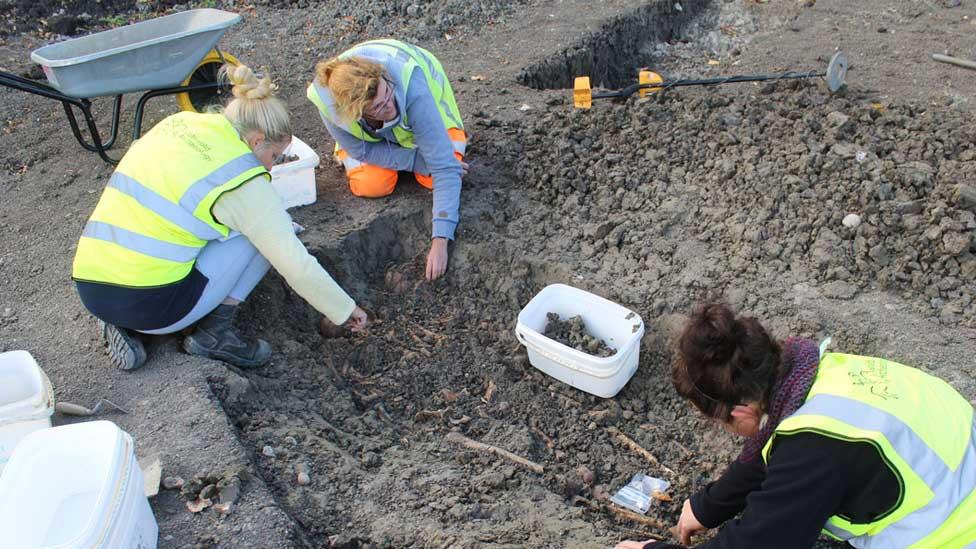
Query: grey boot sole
190, 345
126, 352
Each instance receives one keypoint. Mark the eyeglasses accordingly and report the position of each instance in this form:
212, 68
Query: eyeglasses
373, 109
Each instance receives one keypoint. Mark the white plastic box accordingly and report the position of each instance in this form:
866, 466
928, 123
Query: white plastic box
73, 487
295, 181
618, 326
26, 400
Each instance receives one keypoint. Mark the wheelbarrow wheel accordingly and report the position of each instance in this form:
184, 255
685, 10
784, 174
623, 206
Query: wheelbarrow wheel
207, 72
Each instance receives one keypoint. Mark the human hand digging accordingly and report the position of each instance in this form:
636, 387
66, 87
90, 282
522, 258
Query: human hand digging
688, 524
357, 320
465, 167
436, 259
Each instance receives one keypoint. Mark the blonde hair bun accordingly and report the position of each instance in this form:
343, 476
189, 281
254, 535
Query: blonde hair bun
247, 85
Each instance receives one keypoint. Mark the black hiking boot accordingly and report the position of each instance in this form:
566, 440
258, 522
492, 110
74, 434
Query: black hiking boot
124, 348
216, 337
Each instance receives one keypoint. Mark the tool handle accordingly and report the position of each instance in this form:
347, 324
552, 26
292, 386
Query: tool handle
954, 61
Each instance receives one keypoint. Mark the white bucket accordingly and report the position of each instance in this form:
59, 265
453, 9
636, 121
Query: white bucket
618, 326
26, 400
295, 180
75, 486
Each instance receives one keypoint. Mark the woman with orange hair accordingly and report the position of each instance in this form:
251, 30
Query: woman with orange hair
390, 108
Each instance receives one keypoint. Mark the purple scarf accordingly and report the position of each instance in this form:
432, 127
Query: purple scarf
801, 358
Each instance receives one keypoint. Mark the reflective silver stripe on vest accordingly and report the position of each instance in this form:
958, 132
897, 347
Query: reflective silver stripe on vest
950, 488
460, 147
140, 243
351, 163
193, 196
162, 207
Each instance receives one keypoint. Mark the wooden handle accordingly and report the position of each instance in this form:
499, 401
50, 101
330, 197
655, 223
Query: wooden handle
954, 61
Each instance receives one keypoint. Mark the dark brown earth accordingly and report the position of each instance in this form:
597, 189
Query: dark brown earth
572, 332
737, 192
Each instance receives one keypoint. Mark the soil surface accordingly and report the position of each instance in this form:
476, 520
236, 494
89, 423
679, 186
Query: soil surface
849, 215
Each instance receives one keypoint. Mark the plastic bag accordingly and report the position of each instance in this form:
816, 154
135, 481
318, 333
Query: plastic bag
639, 492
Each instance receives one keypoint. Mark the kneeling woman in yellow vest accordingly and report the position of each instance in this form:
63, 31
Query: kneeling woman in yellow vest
187, 226
390, 108
863, 449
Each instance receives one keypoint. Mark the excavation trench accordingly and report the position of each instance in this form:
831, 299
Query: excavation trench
612, 56
366, 416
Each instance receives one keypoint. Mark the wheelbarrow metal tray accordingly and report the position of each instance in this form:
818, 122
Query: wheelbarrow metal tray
150, 55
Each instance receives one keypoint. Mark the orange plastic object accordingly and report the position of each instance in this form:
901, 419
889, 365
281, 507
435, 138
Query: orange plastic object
582, 94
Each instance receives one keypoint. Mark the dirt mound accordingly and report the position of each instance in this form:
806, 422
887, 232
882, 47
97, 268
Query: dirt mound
782, 181
73, 17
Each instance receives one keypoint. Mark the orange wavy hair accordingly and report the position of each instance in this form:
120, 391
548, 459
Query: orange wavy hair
352, 82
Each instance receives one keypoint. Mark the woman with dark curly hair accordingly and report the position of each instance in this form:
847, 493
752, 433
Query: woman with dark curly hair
863, 449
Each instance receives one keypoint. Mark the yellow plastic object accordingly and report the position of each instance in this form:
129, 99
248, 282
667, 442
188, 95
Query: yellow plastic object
648, 77
582, 93
205, 72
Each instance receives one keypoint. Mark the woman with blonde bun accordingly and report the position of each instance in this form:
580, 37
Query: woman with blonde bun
189, 224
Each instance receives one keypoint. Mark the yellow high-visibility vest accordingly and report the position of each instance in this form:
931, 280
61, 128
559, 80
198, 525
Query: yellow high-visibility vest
922, 428
399, 59
154, 217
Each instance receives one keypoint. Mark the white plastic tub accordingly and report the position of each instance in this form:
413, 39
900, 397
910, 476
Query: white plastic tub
618, 326
26, 400
76, 486
295, 181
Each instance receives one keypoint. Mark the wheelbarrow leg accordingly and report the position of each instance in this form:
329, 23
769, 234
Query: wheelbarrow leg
96, 146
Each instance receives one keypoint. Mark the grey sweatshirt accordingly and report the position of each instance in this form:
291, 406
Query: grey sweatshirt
434, 154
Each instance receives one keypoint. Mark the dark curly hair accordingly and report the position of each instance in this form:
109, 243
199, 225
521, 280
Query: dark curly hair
724, 360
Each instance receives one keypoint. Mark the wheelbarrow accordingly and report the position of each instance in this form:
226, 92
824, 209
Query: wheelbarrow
171, 55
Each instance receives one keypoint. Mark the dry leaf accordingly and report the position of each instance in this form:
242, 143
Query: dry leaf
449, 396
197, 505
223, 508
490, 391
660, 496
477, 78
424, 415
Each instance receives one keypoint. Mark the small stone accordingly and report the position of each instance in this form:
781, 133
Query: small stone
301, 475
956, 243
586, 475
851, 221
173, 483
371, 459
880, 254
269, 451
209, 491
837, 119
627, 414
965, 197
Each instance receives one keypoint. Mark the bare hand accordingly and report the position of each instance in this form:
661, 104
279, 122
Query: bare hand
688, 524
437, 259
464, 168
357, 320
630, 544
